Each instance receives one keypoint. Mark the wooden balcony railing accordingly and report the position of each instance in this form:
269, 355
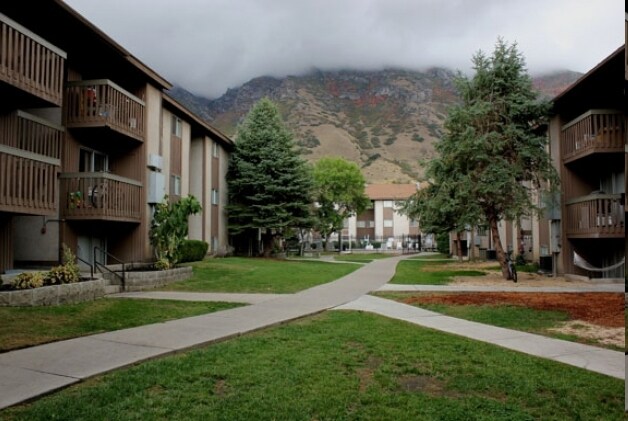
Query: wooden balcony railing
595, 216
100, 196
102, 103
30, 151
30, 63
594, 131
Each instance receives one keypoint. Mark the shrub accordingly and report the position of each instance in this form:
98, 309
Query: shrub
193, 250
67, 273
28, 280
376, 244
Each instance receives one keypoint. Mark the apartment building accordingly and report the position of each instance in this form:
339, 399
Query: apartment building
88, 146
382, 222
588, 148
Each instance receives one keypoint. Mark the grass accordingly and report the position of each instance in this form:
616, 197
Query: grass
411, 272
28, 326
253, 275
507, 316
340, 366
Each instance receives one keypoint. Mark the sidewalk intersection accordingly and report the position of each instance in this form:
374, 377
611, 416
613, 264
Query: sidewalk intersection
31, 372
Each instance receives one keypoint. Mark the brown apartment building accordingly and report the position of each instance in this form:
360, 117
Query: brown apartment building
589, 148
89, 142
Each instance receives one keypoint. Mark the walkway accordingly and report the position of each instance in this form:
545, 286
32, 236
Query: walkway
31, 372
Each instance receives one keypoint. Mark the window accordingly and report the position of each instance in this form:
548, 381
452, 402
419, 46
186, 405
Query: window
215, 149
414, 223
388, 203
388, 223
361, 224
214, 197
177, 126
93, 161
175, 188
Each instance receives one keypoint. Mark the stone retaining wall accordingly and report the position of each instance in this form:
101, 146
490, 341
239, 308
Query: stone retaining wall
139, 281
54, 294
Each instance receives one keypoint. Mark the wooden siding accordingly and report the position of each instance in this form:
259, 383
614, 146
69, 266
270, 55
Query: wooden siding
100, 196
596, 131
30, 151
102, 103
6, 243
30, 63
595, 216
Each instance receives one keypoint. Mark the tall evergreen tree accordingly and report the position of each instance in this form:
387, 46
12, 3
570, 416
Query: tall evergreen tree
494, 148
270, 186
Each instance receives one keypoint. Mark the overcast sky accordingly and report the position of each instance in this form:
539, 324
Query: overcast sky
208, 46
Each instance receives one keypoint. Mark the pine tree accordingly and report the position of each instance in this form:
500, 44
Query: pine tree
270, 186
494, 149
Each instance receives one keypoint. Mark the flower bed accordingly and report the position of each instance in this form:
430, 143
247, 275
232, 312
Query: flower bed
53, 295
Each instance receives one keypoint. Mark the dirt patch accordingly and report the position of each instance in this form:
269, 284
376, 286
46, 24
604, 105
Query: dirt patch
602, 309
525, 279
598, 317
605, 335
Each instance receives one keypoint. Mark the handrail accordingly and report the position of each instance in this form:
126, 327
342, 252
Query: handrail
103, 266
91, 267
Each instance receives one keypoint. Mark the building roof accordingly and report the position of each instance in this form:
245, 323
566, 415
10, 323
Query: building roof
196, 121
390, 191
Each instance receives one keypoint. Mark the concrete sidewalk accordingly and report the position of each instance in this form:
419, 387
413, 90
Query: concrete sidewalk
599, 360
31, 372
200, 296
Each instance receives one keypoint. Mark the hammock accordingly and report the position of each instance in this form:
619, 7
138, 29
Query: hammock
581, 263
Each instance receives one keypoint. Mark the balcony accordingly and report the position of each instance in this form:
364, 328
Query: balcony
30, 151
596, 131
103, 104
595, 216
30, 63
100, 196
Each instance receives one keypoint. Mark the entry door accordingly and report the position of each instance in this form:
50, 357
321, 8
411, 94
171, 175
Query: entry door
85, 250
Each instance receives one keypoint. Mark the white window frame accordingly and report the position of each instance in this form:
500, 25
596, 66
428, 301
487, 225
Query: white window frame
388, 223
177, 126
215, 197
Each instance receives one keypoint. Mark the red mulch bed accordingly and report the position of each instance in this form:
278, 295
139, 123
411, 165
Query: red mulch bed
603, 309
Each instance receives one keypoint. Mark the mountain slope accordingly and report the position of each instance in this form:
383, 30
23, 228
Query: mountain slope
386, 121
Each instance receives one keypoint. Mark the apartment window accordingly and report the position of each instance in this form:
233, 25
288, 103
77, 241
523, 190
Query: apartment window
388, 203
177, 126
215, 149
215, 197
361, 224
414, 223
175, 187
388, 223
93, 161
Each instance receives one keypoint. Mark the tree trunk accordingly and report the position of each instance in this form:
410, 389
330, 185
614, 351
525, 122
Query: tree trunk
268, 241
459, 245
499, 249
520, 246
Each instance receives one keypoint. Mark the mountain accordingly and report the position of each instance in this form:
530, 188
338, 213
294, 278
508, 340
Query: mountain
386, 121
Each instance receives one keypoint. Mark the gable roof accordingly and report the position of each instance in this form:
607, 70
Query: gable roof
390, 191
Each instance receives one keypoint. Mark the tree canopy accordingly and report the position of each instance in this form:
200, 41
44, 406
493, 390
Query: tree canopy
493, 153
270, 186
339, 193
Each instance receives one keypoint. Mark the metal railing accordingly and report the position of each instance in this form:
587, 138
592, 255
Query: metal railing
103, 266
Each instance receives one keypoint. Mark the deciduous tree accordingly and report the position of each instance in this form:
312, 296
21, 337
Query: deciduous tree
339, 193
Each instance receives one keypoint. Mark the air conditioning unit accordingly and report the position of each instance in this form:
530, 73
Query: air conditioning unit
155, 162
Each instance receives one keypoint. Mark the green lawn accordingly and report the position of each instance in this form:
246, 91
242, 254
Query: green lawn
28, 326
507, 316
340, 366
256, 275
411, 272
